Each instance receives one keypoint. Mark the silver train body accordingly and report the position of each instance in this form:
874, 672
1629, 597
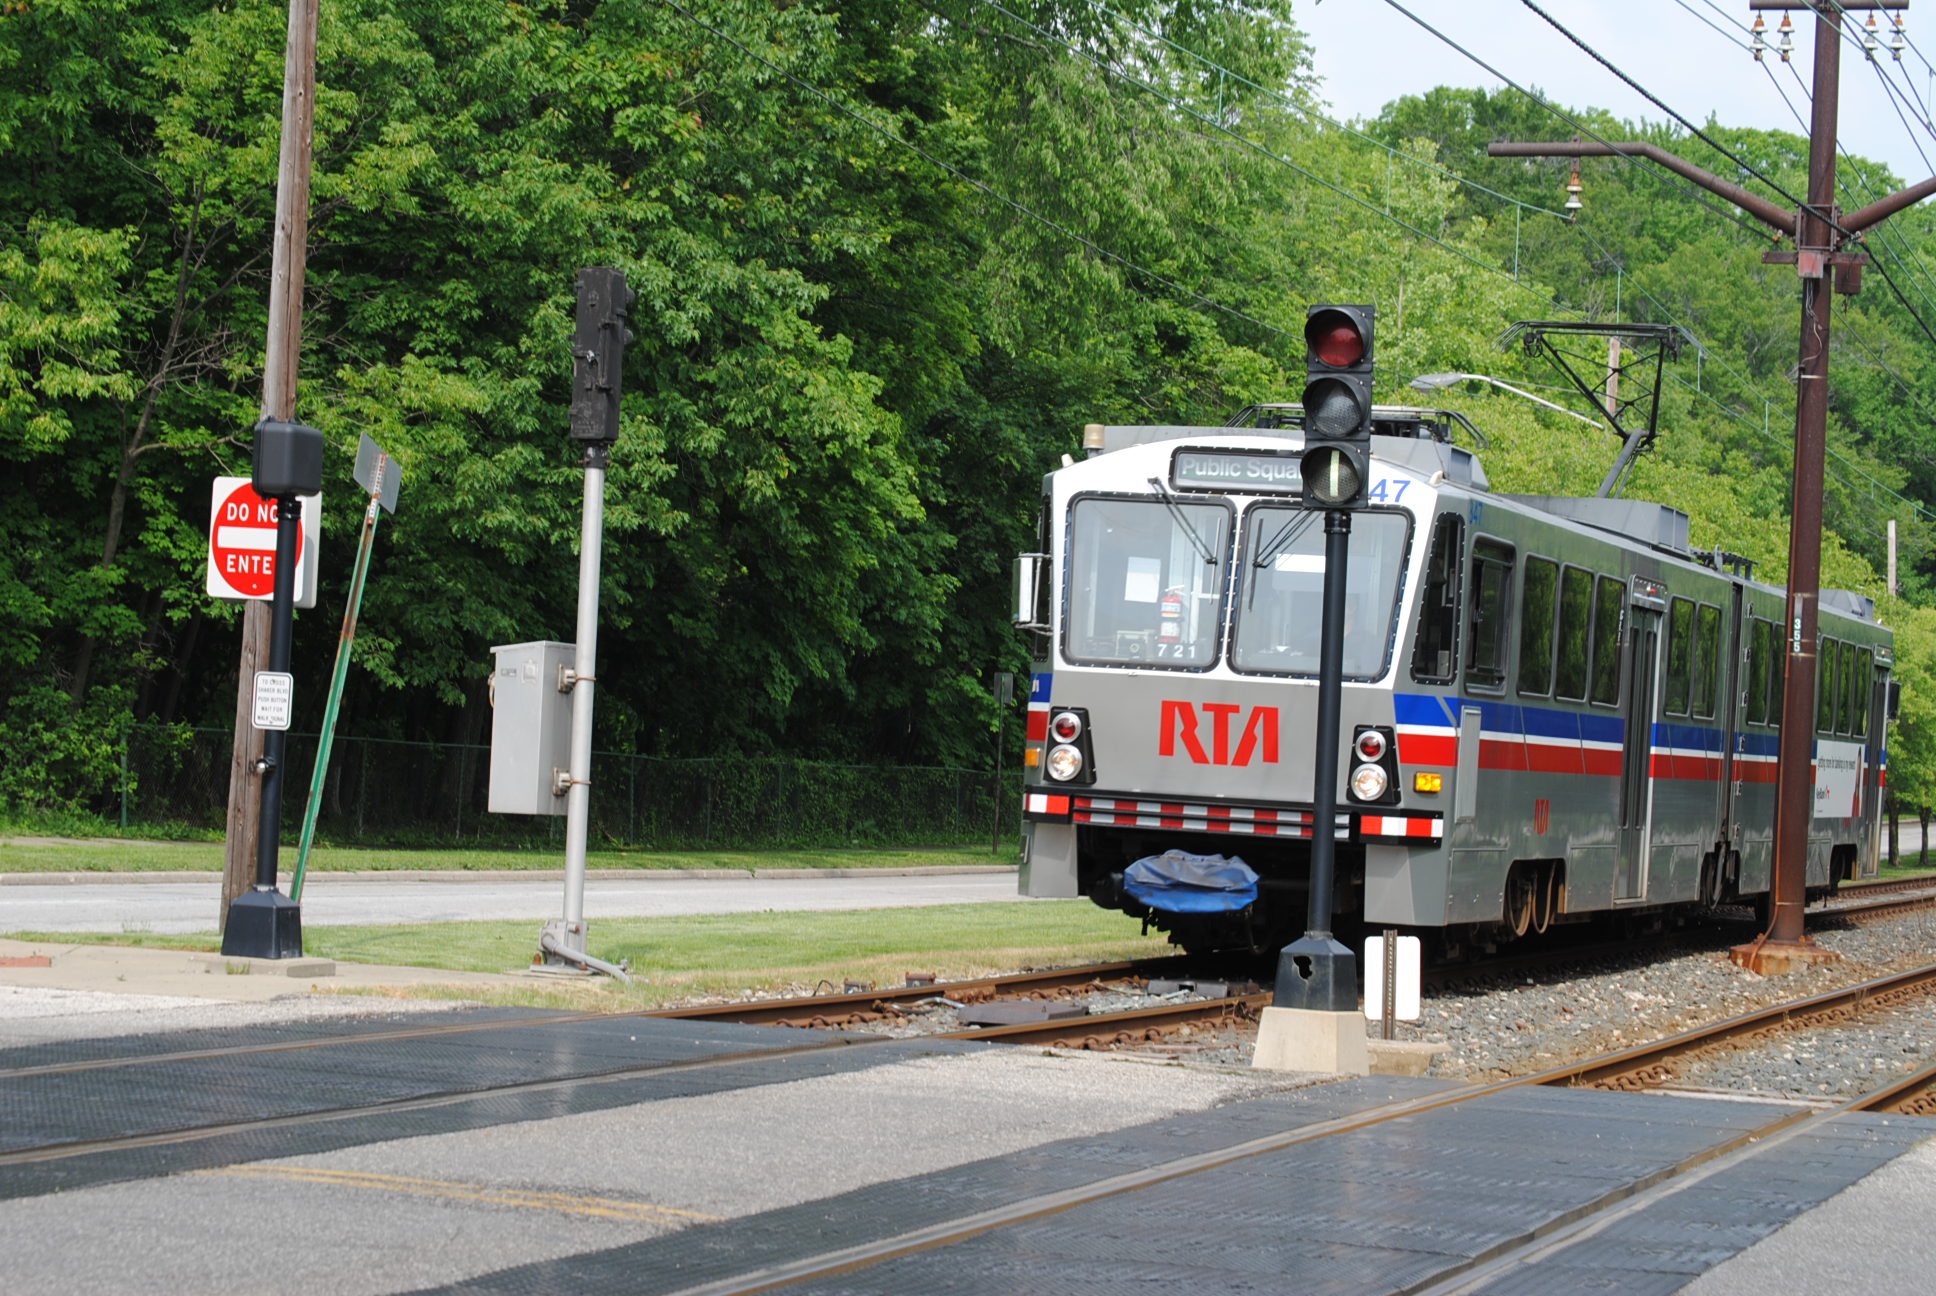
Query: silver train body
1578, 713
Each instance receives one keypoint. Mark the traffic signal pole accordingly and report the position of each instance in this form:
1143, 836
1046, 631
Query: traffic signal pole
1313, 1023
598, 349
1820, 235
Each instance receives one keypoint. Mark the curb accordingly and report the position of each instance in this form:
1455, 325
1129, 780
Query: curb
515, 875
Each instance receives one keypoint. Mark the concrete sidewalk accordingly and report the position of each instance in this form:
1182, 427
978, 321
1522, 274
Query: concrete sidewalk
122, 970
169, 903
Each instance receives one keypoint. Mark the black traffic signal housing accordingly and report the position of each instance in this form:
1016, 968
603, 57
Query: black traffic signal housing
598, 352
287, 459
1337, 405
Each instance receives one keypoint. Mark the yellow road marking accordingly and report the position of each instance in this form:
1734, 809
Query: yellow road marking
603, 1207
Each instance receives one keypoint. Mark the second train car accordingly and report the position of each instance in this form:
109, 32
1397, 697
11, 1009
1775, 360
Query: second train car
1553, 708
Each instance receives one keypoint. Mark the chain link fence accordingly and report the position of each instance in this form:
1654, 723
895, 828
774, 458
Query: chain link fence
394, 793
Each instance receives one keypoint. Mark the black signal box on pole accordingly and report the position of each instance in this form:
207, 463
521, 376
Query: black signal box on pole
1338, 360
598, 352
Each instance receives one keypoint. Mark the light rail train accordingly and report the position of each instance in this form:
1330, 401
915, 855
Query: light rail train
1553, 709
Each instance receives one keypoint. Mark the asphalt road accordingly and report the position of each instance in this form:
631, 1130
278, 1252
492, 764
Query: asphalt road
327, 900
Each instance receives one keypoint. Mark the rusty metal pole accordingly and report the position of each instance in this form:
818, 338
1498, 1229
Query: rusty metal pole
278, 402
1786, 942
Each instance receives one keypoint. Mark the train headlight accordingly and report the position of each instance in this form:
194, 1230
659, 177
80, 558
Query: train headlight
1368, 782
1066, 726
1065, 762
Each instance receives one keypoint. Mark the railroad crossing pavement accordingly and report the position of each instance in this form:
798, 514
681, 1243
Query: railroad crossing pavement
519, 1153
1870, 1238
176, 902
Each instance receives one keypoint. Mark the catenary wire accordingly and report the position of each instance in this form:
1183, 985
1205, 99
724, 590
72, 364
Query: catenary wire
1655, 100
1191, 294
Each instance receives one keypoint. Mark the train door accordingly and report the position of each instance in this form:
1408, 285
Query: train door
1734, 668
1640, 706
1869, 862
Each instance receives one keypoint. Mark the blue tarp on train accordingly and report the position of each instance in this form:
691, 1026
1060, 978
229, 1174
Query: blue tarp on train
1179, 882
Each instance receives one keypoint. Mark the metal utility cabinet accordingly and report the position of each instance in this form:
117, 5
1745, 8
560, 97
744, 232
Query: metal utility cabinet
531, 727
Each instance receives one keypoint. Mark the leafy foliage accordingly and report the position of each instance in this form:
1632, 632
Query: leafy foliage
890, 258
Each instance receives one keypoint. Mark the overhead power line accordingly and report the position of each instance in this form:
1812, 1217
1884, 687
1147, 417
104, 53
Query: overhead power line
1655, 100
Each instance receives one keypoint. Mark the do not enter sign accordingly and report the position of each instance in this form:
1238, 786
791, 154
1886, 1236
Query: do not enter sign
242, 543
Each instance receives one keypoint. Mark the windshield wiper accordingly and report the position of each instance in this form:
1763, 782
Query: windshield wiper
1176, 511
1286, 537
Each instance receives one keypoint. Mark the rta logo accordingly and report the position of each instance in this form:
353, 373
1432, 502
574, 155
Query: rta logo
1180, 723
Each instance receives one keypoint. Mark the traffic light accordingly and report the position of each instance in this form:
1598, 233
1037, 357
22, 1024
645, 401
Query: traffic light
1337, 405
597, 351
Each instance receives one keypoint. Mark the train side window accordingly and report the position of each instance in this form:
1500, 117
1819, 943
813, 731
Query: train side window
1845, 713
1825, 686
1490, 617
1575, 638
1435, 658
1537, 598
1609, 602
1707, 657
1680, 652
1862, 677
1761, 655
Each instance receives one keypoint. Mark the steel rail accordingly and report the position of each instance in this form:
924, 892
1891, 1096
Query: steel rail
1893, 901
838, 1261
1485, 1274
762, 1011
1106, 1028
771, 1011
1649, 1065
843, 1260
423, 1102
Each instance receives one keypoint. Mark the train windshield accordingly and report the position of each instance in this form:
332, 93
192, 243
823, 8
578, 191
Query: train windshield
1145, 580
1280, 605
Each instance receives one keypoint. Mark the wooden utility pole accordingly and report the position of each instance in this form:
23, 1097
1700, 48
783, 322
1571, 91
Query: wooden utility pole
278, 402
1820, 234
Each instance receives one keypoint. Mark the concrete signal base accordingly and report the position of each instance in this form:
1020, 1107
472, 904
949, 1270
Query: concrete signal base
1304, 1039
1767, 957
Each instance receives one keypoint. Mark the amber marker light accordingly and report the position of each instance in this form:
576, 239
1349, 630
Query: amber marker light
1423, 782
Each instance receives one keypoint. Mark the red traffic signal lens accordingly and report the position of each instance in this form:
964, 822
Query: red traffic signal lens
1332, 337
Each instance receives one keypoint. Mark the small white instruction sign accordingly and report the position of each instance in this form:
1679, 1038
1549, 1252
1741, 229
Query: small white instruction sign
275, 699
1407, 982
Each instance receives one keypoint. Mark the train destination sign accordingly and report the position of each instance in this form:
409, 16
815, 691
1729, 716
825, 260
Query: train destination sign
1263, 472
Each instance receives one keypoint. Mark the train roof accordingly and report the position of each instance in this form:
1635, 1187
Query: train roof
1419, 439
1400, 435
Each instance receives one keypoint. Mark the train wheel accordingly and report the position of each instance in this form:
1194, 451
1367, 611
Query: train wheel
1710, 880
1547, 902
1522, 897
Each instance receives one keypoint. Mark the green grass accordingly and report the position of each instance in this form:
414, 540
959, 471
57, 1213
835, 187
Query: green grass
1911, 867
94, 855
724, 954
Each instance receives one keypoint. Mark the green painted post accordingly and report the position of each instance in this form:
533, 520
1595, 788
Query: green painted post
376, 473
344, 645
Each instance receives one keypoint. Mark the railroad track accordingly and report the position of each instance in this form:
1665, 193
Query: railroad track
856, 1007
208, 1142
1781, 1122
1879, 900
1646, 1066
1659, 1064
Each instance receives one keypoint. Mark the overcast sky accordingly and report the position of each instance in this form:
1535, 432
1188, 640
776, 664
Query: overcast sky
1369, 53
